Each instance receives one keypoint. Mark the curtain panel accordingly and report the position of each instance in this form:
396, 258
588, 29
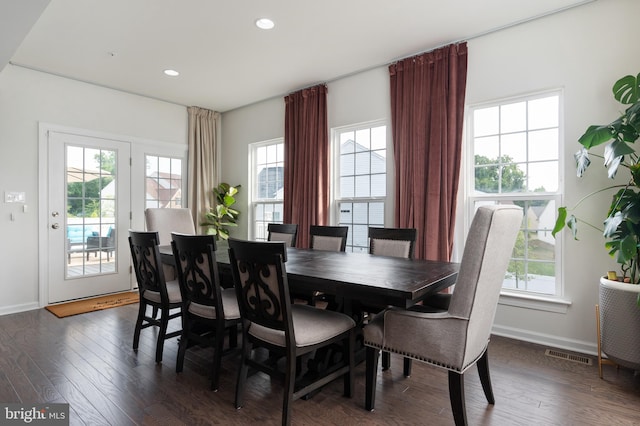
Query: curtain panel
306, 152
204, 131
427, 115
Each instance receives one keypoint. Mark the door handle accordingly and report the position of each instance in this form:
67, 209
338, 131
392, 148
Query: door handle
55, 226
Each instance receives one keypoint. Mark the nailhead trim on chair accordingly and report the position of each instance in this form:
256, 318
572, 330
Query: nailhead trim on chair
426, 360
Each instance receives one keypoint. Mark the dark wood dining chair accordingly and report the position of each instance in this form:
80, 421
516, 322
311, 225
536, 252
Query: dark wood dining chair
330, 238
287, 232
327, 238
456, 339
208, 310
284, 329
394, 242
164, 297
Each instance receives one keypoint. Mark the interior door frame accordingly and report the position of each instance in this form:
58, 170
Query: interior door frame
138, 148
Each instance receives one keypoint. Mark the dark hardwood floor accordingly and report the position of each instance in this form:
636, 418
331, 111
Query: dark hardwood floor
87, 361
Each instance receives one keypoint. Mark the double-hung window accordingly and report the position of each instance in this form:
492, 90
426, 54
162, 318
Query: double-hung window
361, 180
267, 177
515, 159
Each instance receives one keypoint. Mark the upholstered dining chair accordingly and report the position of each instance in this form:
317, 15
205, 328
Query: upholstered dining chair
457, 338
286, 232
330, 238
162, 296
208, 310
284, 329
327, 238
394, 242
165, 221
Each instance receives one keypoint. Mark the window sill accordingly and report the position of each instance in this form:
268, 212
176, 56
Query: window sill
529, 301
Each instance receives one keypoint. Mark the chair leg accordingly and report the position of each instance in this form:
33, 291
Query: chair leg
386, 360
233, 336
243, 371
142, 309
407, 367
349, 378
485, 377
182, 348
289, 384
456, 396
164, 323
217, 359
371, 373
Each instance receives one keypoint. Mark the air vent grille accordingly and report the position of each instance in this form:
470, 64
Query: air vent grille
569, 357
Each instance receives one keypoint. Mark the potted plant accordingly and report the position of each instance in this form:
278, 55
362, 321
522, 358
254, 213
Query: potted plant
222, 216
619, 298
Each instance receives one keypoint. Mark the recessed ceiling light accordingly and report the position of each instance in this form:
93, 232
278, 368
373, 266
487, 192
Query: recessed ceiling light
265, 23
172, 73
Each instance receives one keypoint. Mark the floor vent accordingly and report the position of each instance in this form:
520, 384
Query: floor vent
569, 357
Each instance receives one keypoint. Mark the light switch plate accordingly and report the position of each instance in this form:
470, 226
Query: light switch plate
14, 197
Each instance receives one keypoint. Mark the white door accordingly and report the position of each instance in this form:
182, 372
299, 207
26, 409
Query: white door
88, 216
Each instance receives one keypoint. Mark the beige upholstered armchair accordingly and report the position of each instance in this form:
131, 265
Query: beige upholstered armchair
458, 338
166, 221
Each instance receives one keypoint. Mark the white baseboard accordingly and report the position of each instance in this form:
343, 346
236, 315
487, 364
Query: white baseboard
589, 348
14, 309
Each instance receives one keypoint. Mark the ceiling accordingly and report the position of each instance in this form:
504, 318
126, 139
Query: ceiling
224, 61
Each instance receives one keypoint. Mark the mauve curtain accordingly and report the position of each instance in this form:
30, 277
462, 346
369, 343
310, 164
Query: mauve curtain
204, 130
306, 153
427, 110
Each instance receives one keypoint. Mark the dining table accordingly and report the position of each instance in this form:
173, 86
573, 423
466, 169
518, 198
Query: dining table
354, 277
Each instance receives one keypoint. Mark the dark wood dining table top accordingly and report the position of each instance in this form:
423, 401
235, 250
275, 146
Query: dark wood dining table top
378, 280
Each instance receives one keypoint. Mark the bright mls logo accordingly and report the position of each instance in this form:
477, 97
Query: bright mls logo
37, 414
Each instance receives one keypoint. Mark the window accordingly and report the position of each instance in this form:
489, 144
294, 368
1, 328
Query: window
267, 168
163, 182
361, 184
515, 157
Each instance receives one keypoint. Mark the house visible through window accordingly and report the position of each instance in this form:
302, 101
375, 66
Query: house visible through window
516, 146
267, 168
361, 190
163, 182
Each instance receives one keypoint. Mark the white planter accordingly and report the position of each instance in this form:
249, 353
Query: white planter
620, 322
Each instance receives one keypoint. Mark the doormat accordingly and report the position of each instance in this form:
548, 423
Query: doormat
94, 304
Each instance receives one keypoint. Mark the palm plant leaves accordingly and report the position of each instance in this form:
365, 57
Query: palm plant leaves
622, 223
582, 161
627, 89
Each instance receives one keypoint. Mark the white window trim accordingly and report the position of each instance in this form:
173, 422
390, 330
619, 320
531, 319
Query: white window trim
252, 181
550, 303
335, 199
335, 172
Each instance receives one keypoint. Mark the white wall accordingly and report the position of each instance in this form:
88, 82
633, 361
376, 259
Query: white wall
583, 51
28, 97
